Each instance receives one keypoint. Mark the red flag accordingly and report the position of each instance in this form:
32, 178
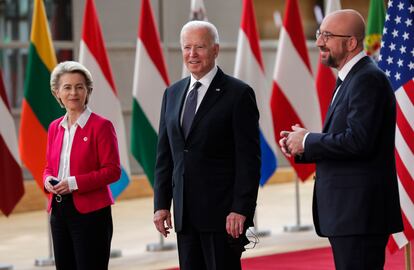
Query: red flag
11, 179
249, 68
325, 77
104, 100
294, 99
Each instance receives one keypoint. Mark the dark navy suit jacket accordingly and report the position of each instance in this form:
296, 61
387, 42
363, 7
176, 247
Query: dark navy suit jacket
356, 189
216, 170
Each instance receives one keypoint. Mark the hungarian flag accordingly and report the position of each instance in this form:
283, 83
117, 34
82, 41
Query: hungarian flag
376, 18
150, 81
11, 180
39, 107
104, 99
396, 58
249, 68
325, 77
294, 99
197, 13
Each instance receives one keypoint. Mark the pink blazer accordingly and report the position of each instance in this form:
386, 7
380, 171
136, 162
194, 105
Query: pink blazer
94, 161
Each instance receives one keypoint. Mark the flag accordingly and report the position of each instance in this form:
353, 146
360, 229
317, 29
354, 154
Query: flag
396, 58
376, 17
331, 6
11, 180
249, 68
294, 99
39, 107
150, 81
325, 77
197, 13
104, 100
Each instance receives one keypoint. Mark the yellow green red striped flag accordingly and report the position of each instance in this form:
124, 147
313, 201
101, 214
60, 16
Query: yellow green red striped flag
39, 107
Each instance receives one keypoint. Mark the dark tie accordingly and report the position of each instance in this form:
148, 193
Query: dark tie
337, 84
190, 109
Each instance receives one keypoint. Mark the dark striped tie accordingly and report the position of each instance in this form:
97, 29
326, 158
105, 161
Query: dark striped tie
190, 109
337, 84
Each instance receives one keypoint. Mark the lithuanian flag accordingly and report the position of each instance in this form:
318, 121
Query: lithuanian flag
39, 107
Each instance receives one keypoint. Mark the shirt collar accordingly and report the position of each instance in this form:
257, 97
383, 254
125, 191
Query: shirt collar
348, 66
82, 120
207, 79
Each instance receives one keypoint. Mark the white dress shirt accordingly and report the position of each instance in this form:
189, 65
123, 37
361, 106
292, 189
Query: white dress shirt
64, 164
347, 68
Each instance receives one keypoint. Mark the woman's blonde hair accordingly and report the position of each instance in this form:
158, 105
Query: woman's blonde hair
70, 67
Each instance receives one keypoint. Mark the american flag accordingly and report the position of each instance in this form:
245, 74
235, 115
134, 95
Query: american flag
397, 60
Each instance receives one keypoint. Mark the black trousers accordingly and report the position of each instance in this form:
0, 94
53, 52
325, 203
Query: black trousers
365, 252
80, 241
209, 250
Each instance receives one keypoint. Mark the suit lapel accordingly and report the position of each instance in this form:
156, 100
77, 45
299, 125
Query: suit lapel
180, 98
337, 100
343, 89
59, 143
213, 93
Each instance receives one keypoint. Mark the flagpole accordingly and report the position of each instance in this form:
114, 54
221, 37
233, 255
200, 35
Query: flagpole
115, 253
161, 21
48, 261
255, 229
161, 245
297, 227
407, 255
6, 266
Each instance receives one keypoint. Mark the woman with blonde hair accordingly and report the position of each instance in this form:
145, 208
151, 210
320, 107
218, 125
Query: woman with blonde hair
82, 160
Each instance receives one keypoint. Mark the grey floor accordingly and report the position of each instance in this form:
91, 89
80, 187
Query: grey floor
24, 237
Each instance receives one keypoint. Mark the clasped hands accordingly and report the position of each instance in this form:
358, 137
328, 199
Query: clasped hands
61, 188
291, 142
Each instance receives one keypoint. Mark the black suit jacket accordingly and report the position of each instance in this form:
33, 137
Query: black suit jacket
356, 188
216, 170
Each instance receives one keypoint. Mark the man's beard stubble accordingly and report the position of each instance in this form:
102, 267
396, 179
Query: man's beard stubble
331, 61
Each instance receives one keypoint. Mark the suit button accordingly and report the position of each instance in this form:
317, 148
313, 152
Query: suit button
185, 150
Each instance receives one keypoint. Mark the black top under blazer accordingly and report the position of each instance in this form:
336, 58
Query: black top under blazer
216, 170
356, 189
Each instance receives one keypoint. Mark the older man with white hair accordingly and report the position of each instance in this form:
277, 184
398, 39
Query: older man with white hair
208, 160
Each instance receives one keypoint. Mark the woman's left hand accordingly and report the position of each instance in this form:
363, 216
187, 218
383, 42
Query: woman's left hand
63, 187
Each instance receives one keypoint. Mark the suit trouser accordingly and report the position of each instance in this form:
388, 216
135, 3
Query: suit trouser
209, 250
365, 252
80, 241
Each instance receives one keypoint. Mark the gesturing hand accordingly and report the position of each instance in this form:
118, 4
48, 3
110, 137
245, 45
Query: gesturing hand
282, 142
295, 140
291, 142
